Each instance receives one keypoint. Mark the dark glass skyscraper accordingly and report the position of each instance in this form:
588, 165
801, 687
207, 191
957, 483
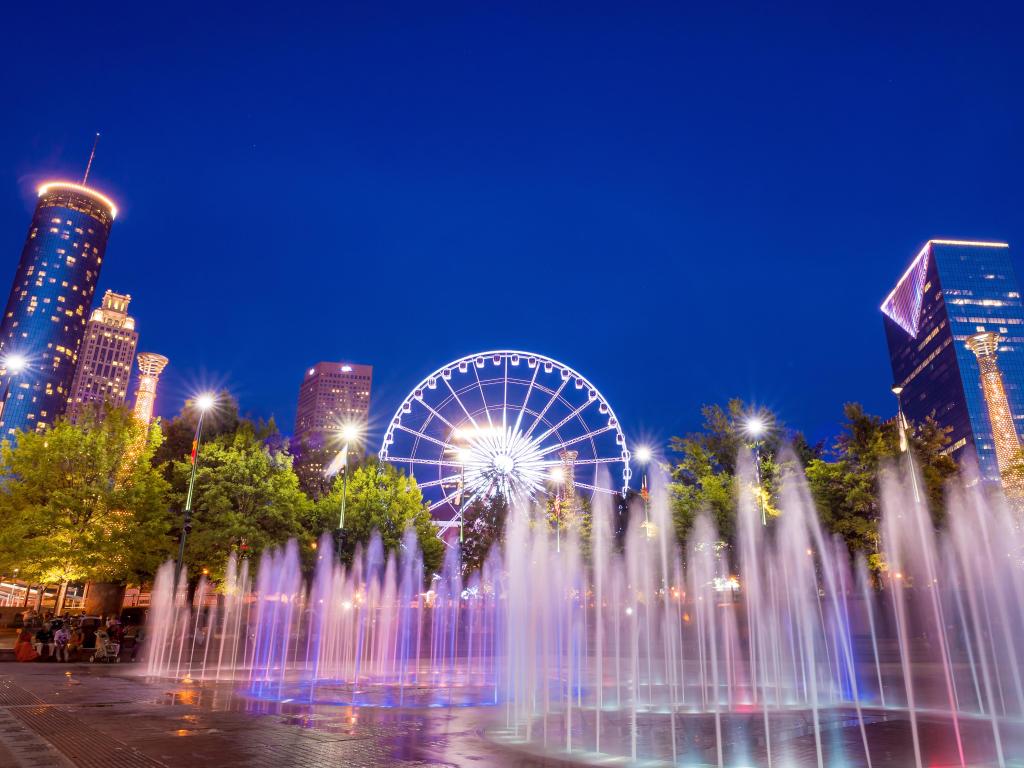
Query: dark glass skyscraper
952, 291
46, 314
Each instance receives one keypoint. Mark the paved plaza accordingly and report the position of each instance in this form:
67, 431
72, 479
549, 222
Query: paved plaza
106, 717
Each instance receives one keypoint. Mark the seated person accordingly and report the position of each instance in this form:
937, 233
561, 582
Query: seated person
44, 640
23, 648
60, 640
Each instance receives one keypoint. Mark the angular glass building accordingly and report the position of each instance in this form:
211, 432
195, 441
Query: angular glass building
46, 313
955, 290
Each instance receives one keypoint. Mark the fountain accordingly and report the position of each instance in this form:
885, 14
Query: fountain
781, 651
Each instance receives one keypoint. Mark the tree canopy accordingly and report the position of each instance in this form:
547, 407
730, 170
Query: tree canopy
383, 498
246, 498
83, 501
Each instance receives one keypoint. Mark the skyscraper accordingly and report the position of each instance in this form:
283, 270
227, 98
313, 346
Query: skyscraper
953, 291
151, 366
50, 298
331, 396
105, 361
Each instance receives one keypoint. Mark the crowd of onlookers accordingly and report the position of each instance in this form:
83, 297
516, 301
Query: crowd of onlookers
45, 637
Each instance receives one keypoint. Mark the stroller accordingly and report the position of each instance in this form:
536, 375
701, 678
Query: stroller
106, 649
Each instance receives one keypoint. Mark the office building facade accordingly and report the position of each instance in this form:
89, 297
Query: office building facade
953, 292
47, 310
105, 360
331, 396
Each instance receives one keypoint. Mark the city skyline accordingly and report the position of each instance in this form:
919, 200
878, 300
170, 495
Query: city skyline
628, 193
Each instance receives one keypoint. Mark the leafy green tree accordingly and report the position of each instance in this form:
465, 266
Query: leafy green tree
846, 488
83, 501
247, 498
381, 498
703, 474
484, 526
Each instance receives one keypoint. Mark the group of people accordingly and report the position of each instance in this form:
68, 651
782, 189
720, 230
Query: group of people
63, 638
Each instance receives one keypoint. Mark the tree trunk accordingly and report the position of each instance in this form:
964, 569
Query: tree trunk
104, 598
62, 594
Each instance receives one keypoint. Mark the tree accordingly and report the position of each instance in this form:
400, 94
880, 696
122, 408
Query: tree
484, 526
247, 498
381, 498
703, 476
83, 501
846, 489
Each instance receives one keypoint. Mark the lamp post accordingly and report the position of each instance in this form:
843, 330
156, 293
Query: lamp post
643, 458
203, 403
901, 424
349, 433
755, 428
13, 365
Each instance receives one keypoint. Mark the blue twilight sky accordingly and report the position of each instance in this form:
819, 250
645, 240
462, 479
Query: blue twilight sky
682, 201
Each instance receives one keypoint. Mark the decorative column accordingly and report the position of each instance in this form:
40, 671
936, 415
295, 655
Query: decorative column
150, 367
985, 347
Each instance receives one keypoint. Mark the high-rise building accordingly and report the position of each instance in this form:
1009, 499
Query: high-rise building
45, 318
331, 396
151, 365
953, 291
105, 360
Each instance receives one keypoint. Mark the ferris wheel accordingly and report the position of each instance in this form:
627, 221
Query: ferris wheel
506, 422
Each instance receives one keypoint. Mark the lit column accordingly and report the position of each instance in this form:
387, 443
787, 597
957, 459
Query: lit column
150, 367
985, 347
643, 457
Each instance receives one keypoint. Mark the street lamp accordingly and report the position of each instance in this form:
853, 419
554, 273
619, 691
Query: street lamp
901, 423
13, 364
350, 434
643, 457
202, 403
755, 427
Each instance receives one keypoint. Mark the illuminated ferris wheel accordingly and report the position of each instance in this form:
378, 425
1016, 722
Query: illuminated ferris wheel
505, 422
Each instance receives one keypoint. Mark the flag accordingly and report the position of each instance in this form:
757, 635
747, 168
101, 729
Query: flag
339, 463
902, 421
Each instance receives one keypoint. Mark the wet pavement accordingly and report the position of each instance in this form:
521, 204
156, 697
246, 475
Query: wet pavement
90, 716
104, 717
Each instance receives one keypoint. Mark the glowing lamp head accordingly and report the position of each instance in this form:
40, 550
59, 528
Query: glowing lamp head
755, 427
15, 363
556, 475
643, 454
205, 401
350, 432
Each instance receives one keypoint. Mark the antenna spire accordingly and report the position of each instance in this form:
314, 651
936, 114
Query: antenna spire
92, 155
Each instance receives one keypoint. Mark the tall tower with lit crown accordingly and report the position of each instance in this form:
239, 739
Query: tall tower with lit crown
151, 365
45, 317
985, 347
